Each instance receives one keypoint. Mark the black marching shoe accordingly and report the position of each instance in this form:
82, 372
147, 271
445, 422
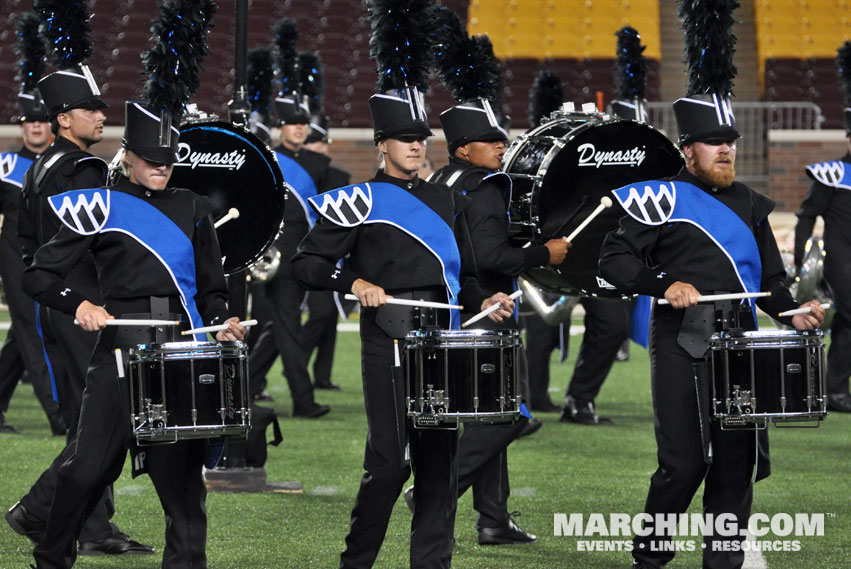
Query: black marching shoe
582, 412
531, 427
4, 426
314, 411
58, 428
839, 402
327, 385
263, 396
20, 520
118, 544
508, 534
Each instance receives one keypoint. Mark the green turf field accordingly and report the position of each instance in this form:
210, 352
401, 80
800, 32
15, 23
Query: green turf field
564, 468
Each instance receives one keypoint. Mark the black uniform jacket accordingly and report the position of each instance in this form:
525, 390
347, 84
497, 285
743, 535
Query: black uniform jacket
834, 205
37, 223
295, 221
10, 198
385, 255
647, 259
127, 269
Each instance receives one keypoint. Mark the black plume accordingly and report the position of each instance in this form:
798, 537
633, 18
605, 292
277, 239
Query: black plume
399, 43
260, 76
65, 26
466, 65
310, 79
31, 51
709, 45
286, 36
631, 65
174, 64
843, 63
545, 96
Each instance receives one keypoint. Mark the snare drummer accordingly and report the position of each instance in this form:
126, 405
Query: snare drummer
403, 236
158, 257
714, 236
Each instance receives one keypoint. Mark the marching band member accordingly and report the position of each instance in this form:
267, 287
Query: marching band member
406, 238
721, 241
830, 198
22, 349
75, 110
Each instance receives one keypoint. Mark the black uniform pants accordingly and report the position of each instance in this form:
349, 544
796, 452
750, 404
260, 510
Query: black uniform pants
839, 353
432, 458
320, 333
483, 464
94, 461
285, 297
68, 347
261, 340
22, 349
606, 327
728, 488
541, 340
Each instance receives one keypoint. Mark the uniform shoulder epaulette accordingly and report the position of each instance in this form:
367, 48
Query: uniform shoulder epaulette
650, 202
348, 206
83, 211
834, 174
42, 171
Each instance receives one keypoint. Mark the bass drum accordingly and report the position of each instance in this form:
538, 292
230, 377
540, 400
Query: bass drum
236, 170
560, 171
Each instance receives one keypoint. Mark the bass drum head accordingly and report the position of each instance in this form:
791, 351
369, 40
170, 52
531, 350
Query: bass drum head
236, 170
561, 170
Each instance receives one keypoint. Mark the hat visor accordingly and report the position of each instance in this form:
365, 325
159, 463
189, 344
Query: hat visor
411, 129
155, 154
722, 132
87, 103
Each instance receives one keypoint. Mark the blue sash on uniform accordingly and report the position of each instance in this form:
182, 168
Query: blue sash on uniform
835, 174
13, 167
147, 225
301, 183
677, 201
381, 202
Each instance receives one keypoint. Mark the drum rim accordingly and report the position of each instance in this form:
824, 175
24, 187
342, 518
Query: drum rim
766, 334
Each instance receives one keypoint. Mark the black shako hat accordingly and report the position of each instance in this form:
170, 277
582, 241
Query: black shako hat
72, 88
635, 110
318, 129
292, 109
148, 136
843, 66
705, 112
399, 113
474, 121
31, 107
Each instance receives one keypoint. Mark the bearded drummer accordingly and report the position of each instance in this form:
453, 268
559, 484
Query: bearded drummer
405, 238
702, 233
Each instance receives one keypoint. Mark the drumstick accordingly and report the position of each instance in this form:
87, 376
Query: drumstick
420, 303
135, 322
232, 213
490, 309
605, 202
802, 310
734, 296
216, 328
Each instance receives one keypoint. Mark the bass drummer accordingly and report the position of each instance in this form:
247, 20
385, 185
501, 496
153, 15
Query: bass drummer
476, 143
713, 236
157, 255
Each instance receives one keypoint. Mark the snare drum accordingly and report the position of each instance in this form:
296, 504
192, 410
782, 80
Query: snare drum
462, 376
189, 390
768, 376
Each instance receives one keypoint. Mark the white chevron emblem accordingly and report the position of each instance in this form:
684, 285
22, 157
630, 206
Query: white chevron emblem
830, 174
347, 206
7, 164
87, 215
653, 206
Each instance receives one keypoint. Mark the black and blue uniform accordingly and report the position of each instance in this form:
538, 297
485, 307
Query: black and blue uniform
408, 237
157, 256
718, 240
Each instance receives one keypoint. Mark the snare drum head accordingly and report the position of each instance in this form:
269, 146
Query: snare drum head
561, 170
237, 170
